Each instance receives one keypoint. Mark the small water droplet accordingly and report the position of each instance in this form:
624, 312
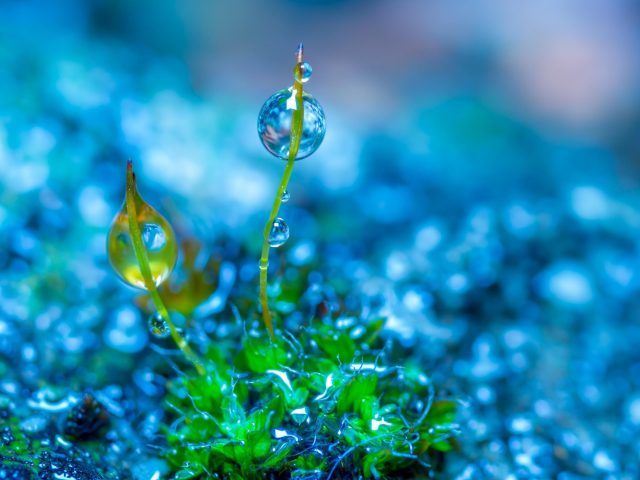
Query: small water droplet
125, 331
49, 400
358, 332
285, 196
279, 233
279, 434
302, 72
33, 424
158, 327
376, 424
274, 124
300, 415
282, 376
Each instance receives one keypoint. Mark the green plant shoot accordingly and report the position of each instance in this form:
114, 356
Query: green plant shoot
144, 259
296, 131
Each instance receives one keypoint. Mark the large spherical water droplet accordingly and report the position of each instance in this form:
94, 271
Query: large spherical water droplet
285, 196
274, 124
279, 233
302, 72
157, 237
158, 327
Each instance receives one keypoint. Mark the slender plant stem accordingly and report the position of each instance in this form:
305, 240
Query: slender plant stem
264, 259
143, 263
296, 134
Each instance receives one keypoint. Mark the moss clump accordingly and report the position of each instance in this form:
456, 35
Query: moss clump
327, 402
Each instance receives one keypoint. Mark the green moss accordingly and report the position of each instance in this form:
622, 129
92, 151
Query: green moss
339, 406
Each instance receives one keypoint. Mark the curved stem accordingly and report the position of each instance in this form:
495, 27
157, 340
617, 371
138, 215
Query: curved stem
264, 258
145, 270
296, 134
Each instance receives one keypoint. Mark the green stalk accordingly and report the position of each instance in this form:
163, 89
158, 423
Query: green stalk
143, 263
296, 134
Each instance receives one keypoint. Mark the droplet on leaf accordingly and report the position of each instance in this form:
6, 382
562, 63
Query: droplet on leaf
285, 196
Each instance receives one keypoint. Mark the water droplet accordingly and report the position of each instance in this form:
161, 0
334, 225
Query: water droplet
285, 196
279, 434
358, 332
633, 409
604, 462
282, 376
520, 425
60, 440
125, 331
274, 124
344, 323
33, 424
302, 72
279, 233
158, 327
376, 424
300, 415
157, 237
49, 400
566, 284
327, 386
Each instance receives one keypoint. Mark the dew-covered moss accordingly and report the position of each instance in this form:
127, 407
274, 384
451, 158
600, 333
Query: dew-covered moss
327, 401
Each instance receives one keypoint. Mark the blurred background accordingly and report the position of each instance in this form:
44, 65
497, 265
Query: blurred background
477, 186
507, 95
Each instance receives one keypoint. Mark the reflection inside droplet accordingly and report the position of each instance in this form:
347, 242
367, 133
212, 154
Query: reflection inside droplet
153, 237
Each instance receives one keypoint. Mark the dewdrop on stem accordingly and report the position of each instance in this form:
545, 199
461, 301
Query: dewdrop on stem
275, 119
158, 240
279, 233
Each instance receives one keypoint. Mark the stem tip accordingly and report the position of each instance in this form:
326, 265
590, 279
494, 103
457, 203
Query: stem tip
300, 53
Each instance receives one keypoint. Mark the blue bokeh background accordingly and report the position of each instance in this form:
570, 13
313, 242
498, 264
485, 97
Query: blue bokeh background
478, 186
